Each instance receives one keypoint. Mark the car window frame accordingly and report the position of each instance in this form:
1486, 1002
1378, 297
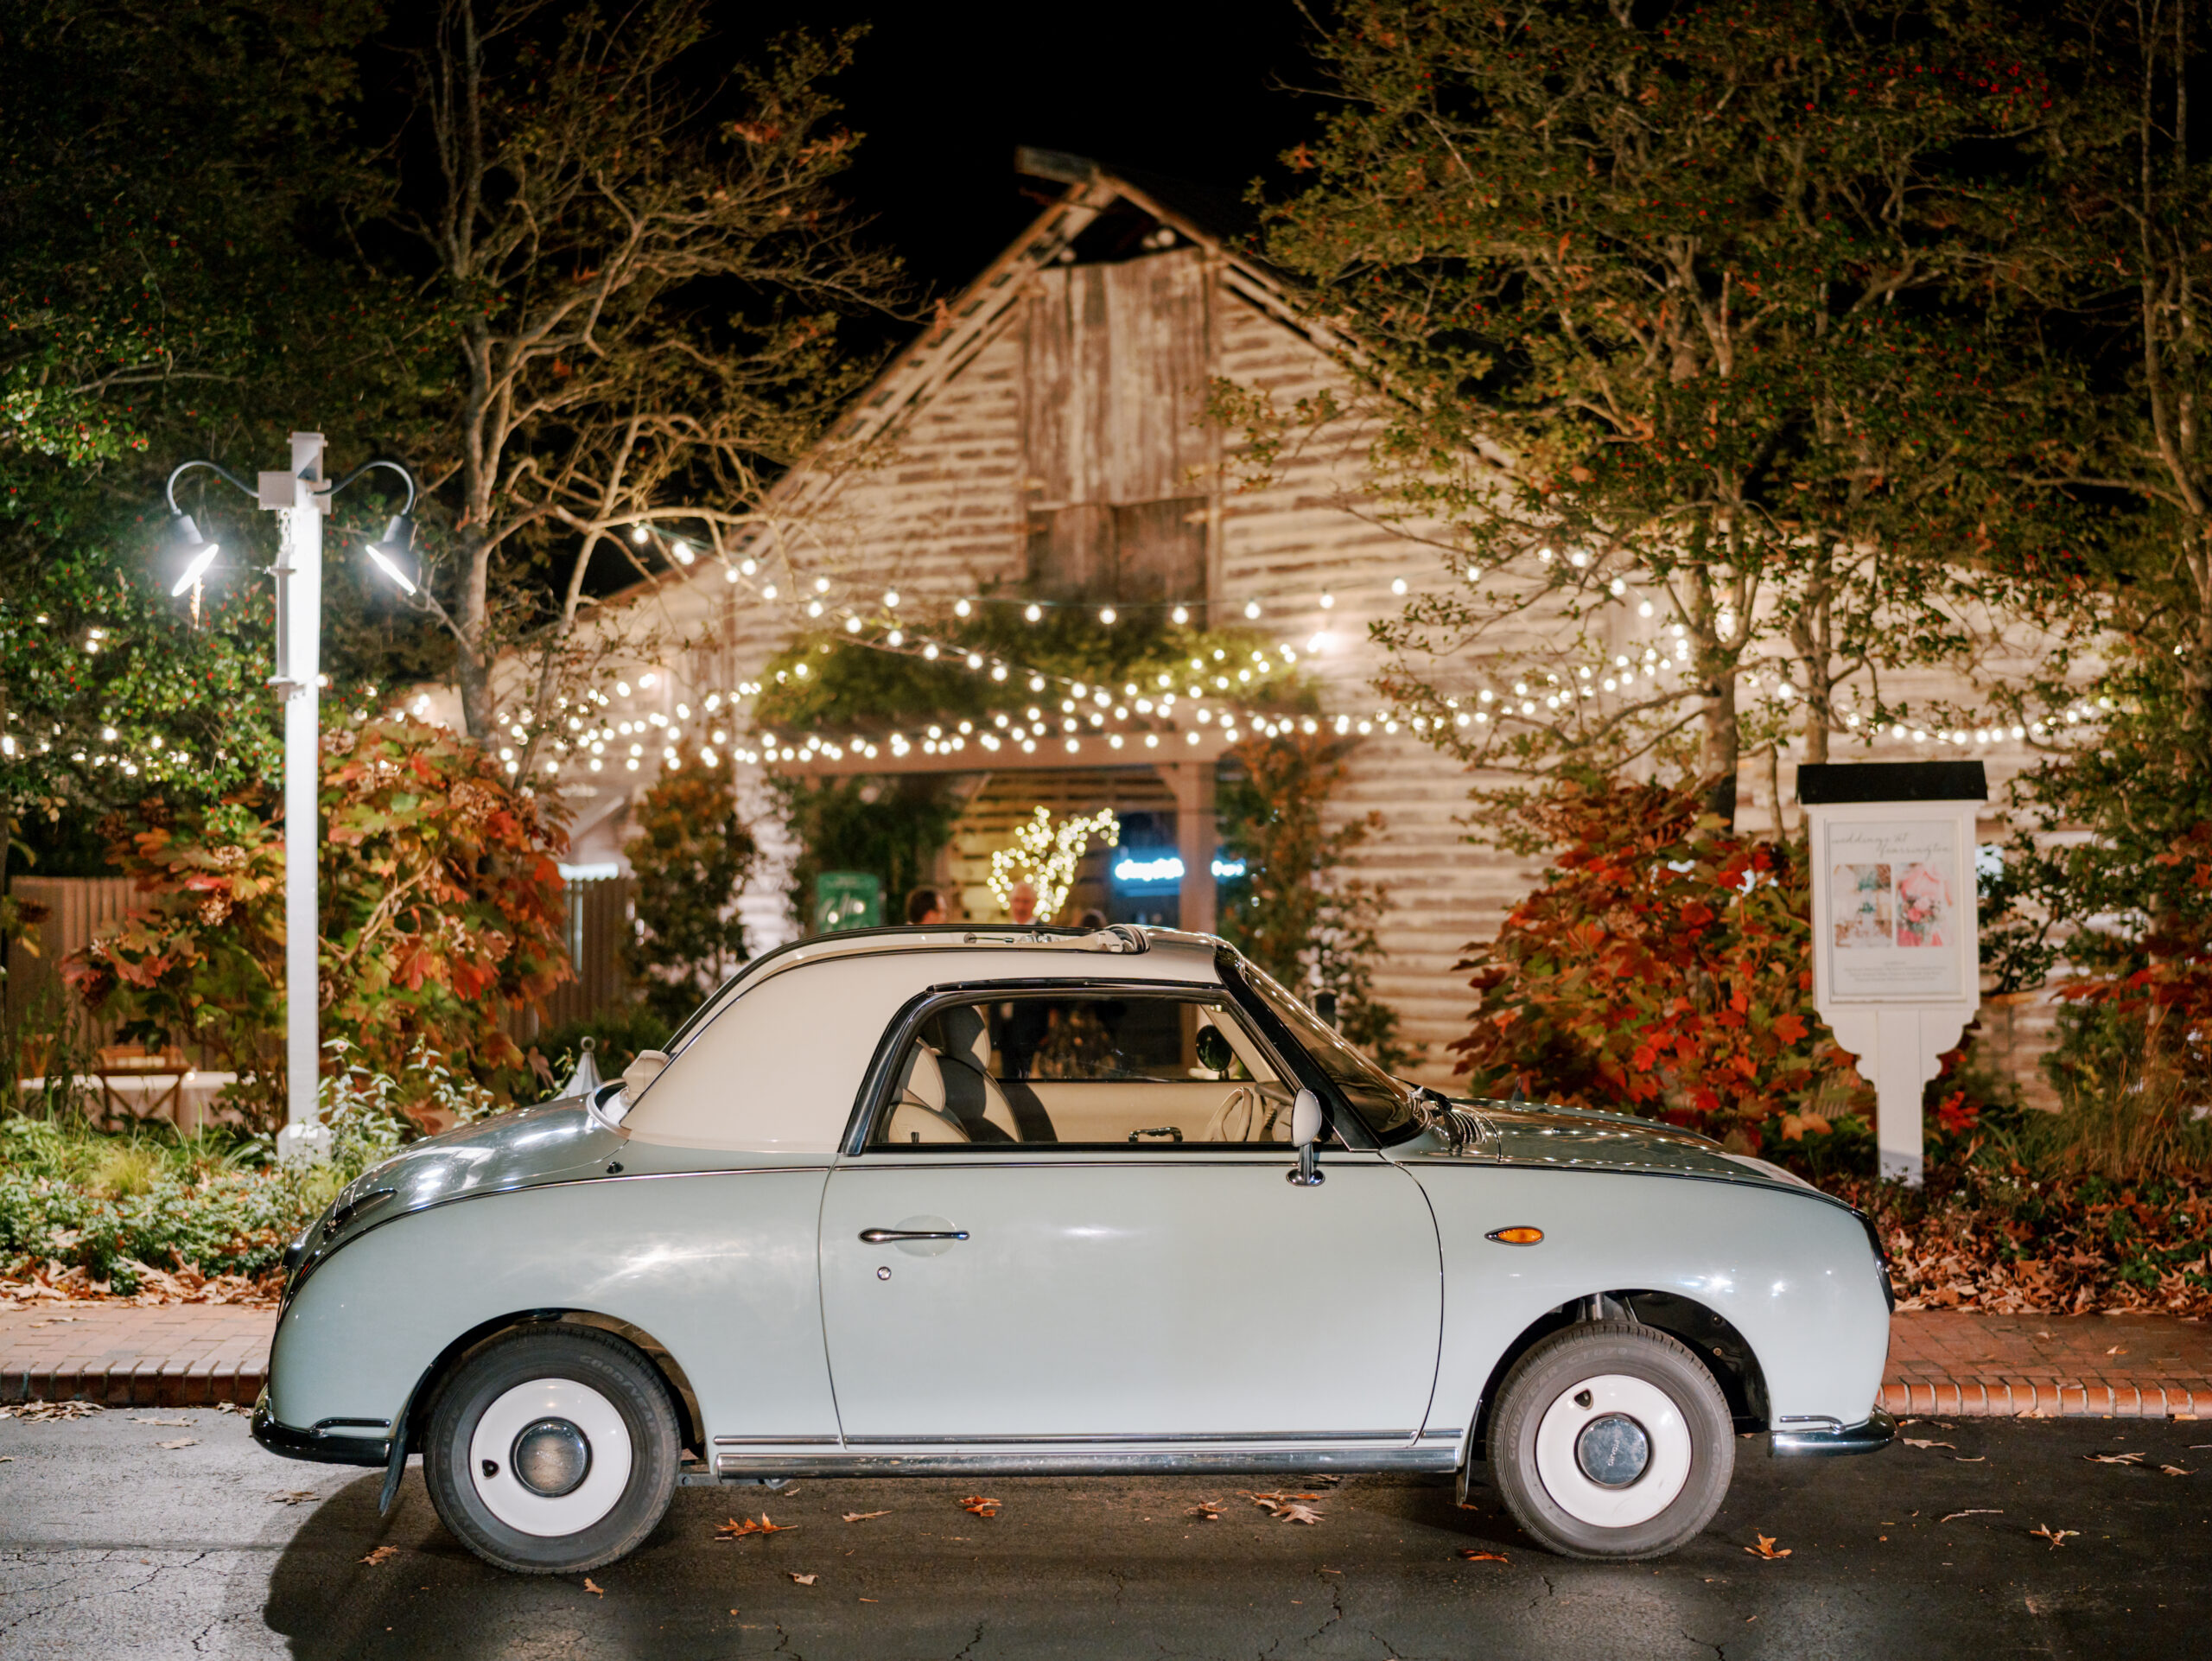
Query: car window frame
1338, 1112
878, 1084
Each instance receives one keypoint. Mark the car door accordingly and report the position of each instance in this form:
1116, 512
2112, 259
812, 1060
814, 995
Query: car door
1128, 1263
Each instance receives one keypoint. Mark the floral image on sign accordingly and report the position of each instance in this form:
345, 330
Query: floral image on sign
1893, 910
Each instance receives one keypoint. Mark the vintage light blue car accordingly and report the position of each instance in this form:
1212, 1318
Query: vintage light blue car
928, 1201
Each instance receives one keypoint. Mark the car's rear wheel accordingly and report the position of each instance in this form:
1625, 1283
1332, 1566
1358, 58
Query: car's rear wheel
1611, 1439
552, 1451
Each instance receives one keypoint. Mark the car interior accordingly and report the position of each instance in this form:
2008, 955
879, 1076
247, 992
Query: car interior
1089, 1069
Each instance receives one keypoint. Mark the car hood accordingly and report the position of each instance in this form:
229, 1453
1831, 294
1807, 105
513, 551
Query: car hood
515, 1149
1517, 1133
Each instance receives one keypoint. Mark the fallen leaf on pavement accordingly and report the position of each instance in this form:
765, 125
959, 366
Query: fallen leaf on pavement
382, 1554
1765, 1549
45, 1412
1977, 1510
860, 1515
979, 1505
2174, 1470
1294, 1512
293, 1497
1206, 1510
592, 1586
1475, 1556
242, 1410
2057, 1537
1968, 1459
735, 1529
803, 1580
135, 1420
2114, 1459
182, 1441
7, 1458
1915, 1441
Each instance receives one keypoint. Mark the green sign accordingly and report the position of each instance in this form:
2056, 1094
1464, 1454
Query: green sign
846, 900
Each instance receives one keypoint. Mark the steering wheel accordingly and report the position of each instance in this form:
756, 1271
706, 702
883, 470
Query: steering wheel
1217, 1129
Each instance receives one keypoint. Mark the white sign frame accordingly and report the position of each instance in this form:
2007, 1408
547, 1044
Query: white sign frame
1897, 949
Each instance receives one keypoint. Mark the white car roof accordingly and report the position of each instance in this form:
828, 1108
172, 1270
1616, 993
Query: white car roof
773, 1062
1121, 952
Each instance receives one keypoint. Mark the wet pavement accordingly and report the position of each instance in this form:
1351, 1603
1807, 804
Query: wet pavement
113, 1546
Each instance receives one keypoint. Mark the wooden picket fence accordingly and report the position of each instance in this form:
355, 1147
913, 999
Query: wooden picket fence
35, 1002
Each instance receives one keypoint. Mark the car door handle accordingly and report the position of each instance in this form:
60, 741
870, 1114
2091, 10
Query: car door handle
879, 1236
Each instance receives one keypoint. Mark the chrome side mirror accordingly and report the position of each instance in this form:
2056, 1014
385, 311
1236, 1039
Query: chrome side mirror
642, 1071
1305, 1127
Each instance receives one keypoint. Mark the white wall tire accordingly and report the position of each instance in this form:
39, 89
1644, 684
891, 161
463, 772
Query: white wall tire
552, 1450
1612, 1441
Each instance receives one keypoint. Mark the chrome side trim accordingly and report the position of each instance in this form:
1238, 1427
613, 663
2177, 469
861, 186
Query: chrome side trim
1801, 1437
1451, 1437
1326, 1438
775, 1441
1258, 1461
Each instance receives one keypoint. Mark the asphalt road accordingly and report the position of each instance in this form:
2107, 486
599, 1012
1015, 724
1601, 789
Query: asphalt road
111, 1546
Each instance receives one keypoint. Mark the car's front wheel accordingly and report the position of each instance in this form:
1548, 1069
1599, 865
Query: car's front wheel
552, 1451
1611, 1439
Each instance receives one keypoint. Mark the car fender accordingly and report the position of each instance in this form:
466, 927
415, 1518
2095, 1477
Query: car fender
718, 1266
1792, 1272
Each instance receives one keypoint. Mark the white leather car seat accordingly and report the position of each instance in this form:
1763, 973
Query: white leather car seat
971, 1095
919, 1115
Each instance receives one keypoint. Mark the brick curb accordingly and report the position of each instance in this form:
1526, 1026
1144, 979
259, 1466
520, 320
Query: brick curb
139, 1384
2072, 1398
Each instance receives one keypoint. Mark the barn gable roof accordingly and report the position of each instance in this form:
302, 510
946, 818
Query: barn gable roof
1214, 221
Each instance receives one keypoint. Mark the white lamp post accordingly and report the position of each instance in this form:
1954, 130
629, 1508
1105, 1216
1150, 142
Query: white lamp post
301, 497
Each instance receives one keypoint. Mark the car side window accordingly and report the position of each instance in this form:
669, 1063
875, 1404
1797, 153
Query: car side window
1142, 1071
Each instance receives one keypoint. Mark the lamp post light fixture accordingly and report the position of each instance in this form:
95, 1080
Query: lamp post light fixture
300, 497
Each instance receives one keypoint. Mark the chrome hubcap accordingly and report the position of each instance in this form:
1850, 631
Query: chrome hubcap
551, 1457
1613, 1450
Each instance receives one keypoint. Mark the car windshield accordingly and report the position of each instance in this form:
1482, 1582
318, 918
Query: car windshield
1387, 1105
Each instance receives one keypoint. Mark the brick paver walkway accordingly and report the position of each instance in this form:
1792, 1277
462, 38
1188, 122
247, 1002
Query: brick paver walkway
2121, 1366
163, 1355
2128, 1367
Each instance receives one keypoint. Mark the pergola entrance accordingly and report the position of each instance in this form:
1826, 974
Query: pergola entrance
1186, 772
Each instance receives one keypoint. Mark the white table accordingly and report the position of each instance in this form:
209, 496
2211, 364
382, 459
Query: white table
144, 1095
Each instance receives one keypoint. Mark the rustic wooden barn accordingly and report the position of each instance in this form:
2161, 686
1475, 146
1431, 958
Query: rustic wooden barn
1048, 435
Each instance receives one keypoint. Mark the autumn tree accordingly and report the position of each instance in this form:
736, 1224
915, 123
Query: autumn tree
1665, 321
691, 857
439, 909
641, 267
1300, 909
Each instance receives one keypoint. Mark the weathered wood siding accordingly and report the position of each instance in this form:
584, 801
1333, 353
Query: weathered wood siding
1087, 395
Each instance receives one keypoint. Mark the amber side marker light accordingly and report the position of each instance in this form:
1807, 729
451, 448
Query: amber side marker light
1515, 1236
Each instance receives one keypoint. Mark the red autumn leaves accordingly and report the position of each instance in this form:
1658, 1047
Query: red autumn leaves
1665, 964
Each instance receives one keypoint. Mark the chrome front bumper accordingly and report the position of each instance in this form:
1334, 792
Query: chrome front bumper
1825, 1437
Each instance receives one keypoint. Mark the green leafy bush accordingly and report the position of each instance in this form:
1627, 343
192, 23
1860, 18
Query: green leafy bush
116, 1205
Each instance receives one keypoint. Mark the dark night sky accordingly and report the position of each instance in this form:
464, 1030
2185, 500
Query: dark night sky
944, 93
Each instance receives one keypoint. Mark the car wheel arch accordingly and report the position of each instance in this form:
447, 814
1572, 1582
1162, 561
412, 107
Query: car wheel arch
682, 1397
1704, 1331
